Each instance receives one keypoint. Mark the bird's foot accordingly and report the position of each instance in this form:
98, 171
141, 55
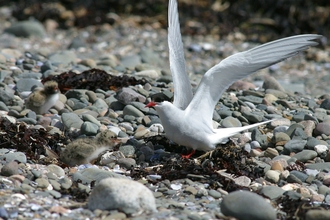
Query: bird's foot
187, 156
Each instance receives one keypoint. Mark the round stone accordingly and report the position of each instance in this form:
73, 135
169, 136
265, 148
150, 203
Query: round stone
246, 205
123, 194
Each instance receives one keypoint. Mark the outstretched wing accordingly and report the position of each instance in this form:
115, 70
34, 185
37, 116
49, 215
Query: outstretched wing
217, 79
182, 88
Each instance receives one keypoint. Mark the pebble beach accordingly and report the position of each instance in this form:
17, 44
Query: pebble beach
99, 153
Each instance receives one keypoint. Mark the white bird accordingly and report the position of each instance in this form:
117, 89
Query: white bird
188, 121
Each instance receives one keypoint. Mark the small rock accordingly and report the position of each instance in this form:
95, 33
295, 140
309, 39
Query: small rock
10, 169
56, 170
246, 205
131, 110
215, 194
272, 192
294, 146
241, 85
271, 83
18, 156
277, 165
71, 120
318, 166
230, 122
89, 128
126, 163
322, 128
305, 155
64, 57
122, 194
128, 95
314, 214
272, 176
27, 29
321, 149
130, 61
153, 74
271, 152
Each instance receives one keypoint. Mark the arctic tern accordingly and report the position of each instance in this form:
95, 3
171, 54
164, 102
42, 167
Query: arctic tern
188, 121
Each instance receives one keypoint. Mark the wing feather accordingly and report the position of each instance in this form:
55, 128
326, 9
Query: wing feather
182, 88
217, 79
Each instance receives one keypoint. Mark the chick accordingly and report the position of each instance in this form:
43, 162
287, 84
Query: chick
42, 99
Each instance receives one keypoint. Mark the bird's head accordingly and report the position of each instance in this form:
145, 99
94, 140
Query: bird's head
51, 87
160, 106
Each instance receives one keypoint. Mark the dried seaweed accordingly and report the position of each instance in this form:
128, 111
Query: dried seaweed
33, 142
93, 79
204, 167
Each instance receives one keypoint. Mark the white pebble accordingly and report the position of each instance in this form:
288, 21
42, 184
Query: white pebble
176, 186
156, 128
320, 149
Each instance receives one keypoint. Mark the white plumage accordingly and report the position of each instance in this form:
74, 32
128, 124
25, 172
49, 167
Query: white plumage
188, 121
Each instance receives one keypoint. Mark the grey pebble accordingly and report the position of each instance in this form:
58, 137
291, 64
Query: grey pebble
230, 122
215, 194
76, 93
314, 214
294, 146
42, 183
57, 170
56, 185
55, 194
64, 57
65, 182
318, 166
127, 150
325, 104
90, 118
305, 155
132, 111
272, 192
26, 84
128, 95
10, 168
300, 175
272, 176
191, 190
324, 190
151, 57
6, 97
322, 128
278, 93
71, 120
18, 156
100, 104
89, 128
130, 61
27, 29
252, 99
76, 104
3, 107
246, 205
126, 163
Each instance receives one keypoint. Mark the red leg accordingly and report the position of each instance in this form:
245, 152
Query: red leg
187, 156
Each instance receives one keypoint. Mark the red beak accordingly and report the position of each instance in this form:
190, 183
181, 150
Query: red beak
151, 104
